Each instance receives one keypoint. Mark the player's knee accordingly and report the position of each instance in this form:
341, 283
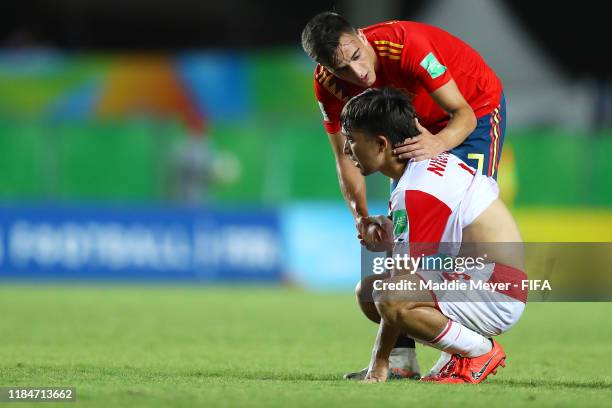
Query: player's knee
358, 290
365, 287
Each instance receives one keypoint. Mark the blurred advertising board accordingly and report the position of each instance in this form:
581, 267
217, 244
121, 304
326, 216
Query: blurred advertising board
95, 243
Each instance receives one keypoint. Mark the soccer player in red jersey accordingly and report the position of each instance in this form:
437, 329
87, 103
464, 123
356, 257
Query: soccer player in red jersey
458, 100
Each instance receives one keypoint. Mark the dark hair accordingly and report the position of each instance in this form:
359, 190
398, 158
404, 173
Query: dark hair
384, 111
321, 36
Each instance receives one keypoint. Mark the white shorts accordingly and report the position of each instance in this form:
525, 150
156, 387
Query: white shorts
488, 312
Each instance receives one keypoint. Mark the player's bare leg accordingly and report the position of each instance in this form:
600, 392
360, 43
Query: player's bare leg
474, 356
402, 361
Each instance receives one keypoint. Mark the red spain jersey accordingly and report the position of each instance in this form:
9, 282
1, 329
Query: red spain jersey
417, 59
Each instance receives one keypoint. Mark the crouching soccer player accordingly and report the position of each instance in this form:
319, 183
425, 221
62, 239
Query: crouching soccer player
436, 201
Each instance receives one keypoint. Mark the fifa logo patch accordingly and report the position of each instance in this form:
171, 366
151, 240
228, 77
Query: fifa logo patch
432, 66
400, 222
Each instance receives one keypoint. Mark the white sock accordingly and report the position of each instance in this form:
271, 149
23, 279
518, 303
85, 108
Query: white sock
404, 358
458, 339
444, 358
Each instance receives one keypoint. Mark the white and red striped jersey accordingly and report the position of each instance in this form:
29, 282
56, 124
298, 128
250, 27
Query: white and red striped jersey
436, 199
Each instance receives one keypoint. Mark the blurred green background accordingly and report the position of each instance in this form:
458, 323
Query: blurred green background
241, 128
53, 151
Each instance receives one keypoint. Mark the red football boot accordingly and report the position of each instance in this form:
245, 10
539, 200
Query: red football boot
474, 370
445, 371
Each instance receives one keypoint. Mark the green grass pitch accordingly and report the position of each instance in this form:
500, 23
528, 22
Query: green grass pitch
214, 346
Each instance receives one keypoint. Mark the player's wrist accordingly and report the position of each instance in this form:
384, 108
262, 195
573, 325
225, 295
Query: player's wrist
381, 361
443, 144
379, 358
361, 218
379, 367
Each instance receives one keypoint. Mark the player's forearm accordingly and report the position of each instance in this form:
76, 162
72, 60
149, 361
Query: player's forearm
385, 340
459, 127
353, 186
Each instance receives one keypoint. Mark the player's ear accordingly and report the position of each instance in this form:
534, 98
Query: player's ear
382, 142
361, 36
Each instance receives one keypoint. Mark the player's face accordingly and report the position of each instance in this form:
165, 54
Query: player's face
356, 60
366, 152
